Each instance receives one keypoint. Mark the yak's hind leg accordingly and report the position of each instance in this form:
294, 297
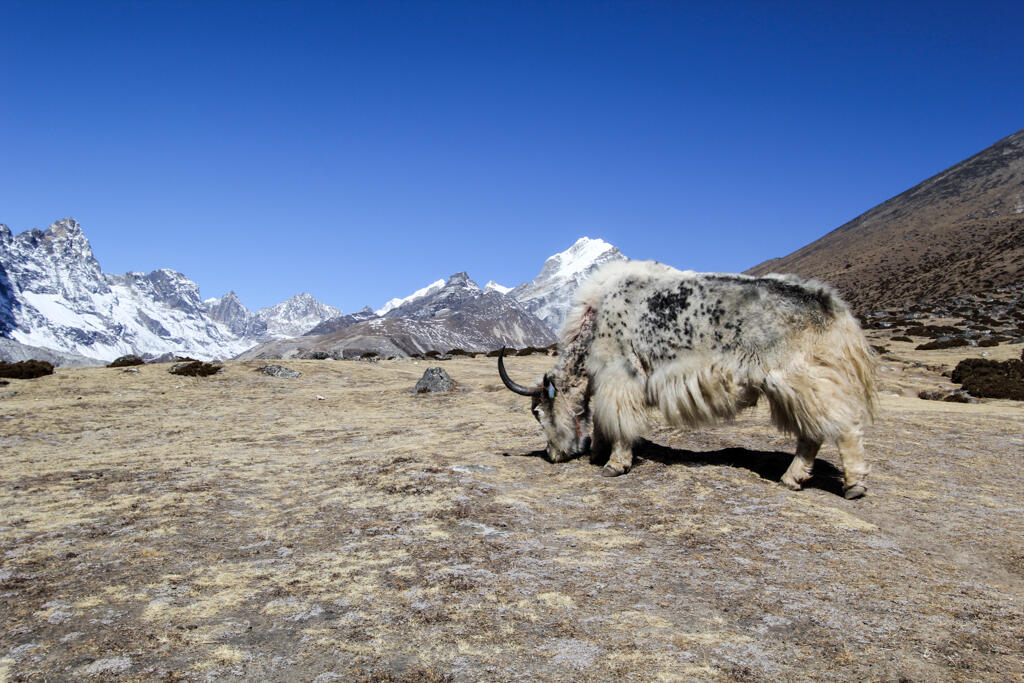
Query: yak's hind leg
855, 467
800, 469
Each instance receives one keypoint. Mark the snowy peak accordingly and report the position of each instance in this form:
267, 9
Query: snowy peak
164, 286
64, 239
493, 286
418, 294
580, 258
550, 294
295, 316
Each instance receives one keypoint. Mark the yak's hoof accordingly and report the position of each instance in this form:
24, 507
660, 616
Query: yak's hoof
855, 491
791, 484
613, 470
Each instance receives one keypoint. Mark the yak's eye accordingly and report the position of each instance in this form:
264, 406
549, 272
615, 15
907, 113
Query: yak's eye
551, 391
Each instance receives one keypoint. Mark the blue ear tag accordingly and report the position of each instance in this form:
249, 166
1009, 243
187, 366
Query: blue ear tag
551, 391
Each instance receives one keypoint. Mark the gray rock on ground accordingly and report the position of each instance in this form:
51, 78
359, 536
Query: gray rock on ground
278, 371
434, 380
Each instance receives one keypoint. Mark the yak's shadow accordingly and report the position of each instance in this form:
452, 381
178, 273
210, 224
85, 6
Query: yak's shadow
770, 465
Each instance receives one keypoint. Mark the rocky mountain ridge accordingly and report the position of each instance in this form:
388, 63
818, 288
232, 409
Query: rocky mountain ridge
958, 233
458, 315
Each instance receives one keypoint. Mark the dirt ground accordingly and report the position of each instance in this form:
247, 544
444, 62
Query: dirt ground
339, 527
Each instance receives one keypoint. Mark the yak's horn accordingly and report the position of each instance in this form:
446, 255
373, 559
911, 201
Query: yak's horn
519, 389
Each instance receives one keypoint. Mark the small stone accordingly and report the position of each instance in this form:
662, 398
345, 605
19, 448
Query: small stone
434, 380
108, 666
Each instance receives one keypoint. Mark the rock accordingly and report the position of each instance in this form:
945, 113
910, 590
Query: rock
434, 380
131, 371
278, 371
987, 378
26, 369
932, 395
126, 361
195, 368
943, 343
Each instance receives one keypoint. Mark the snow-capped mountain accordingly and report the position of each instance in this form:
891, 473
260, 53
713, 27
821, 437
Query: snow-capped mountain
58, 297
54, 294
550, 294
295, 316
418, 294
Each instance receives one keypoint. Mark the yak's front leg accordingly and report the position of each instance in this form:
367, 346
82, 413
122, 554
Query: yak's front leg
620, 415
600, 446
621, 459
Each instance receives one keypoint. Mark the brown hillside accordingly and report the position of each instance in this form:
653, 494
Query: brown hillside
959, 232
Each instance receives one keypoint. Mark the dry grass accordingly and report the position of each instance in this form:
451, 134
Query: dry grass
154, 526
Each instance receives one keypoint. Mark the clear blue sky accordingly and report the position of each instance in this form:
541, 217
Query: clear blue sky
359, 150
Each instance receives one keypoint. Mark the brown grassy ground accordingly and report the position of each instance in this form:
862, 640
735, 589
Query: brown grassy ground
154, 526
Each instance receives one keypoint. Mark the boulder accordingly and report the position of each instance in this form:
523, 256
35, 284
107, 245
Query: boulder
434, 380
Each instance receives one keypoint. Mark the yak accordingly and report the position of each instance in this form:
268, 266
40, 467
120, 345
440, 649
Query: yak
698, 348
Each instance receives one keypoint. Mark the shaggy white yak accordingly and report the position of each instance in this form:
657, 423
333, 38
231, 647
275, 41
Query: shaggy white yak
700, 347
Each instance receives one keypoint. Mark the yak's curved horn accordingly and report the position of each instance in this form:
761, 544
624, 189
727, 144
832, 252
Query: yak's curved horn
519, 389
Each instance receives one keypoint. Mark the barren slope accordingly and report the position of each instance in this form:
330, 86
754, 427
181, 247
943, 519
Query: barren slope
237, 526
960, 232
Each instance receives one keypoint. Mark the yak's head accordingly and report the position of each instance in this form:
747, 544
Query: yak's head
560, 406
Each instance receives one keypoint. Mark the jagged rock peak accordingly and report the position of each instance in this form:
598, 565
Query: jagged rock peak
462, 280
232, 313
64, 239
